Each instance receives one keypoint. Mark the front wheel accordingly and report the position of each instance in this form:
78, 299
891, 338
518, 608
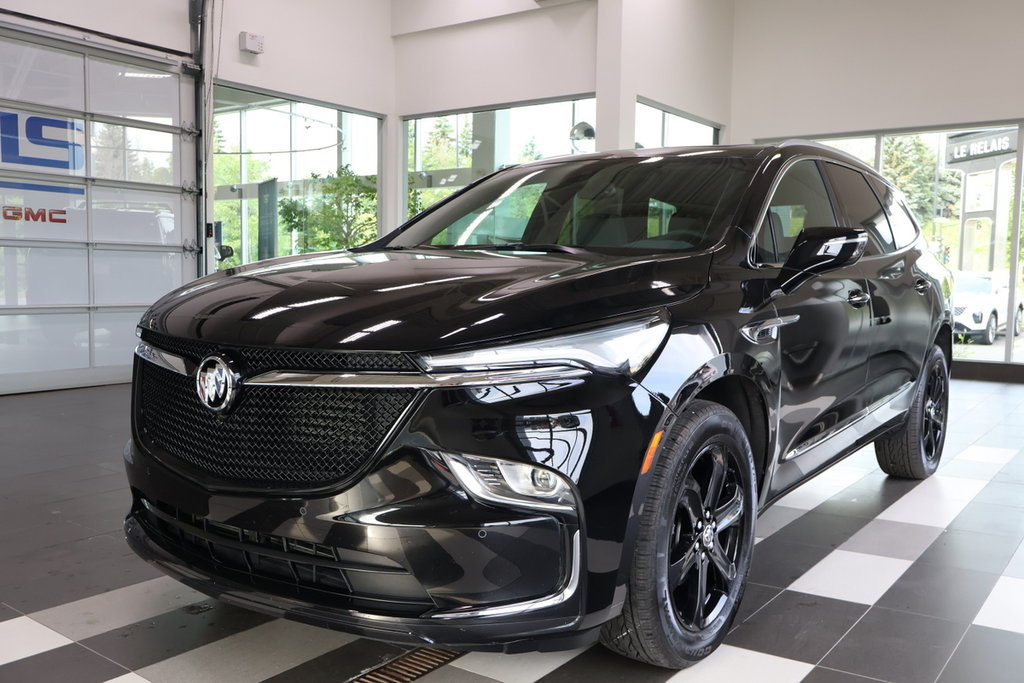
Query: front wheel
694, 544
914, 451
988, 337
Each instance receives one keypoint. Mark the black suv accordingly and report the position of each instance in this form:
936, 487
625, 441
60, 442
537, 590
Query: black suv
546, 410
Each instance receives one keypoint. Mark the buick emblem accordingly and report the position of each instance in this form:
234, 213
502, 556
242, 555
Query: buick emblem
216, 383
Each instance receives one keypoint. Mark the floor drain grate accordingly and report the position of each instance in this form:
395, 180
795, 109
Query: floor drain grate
409, 666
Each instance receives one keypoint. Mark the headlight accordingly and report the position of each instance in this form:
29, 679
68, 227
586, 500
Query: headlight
624, 347
508, 482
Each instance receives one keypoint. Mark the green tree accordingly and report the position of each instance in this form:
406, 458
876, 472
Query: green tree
339, 213
227, 172
914, 167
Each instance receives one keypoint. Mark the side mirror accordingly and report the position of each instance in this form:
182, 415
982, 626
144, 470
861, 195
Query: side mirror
820, 250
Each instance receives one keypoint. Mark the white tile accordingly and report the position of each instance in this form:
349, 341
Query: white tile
104, 612
970, 469
252, 655
1005, 606
524, 668
22, 637
854, 577
729, 663
935, 502
813, 493
989, 454
1016, 566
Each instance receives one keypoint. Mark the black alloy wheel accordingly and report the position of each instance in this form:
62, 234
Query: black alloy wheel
705, 541
694, 544
914, 450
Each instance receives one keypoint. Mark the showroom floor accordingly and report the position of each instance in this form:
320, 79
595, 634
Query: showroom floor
857, 577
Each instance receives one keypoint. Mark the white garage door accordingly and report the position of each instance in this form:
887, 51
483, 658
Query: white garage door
97, 206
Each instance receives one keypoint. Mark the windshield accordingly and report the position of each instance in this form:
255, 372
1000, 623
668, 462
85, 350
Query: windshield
652, 204
972, 284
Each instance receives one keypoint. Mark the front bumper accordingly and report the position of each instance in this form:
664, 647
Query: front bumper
423, 566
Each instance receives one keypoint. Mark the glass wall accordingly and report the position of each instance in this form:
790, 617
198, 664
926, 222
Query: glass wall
961, 186
449, 151
98, 199
291, 177
657, 127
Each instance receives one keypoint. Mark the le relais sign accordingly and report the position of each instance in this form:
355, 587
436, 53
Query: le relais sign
961, 147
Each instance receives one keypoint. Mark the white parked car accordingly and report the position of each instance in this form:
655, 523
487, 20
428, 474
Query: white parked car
980, 302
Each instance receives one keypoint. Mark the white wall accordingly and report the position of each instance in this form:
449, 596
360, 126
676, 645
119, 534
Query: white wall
679, 53
455, 55
163, 23
338, 52
808, 67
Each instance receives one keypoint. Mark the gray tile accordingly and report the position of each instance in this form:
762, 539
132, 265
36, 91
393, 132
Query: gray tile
780, 563
986, 654
896, 646
755, 596
797, 626
71, 571
71, 664
971, 550
940, 591
820, 529
867, 497
1002, 493
821, 674
147, 642
892, 539
8, 613
990, 518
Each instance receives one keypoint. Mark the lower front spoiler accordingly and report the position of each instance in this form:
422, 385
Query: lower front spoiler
508, 631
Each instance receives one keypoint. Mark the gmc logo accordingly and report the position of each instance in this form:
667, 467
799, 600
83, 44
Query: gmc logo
23, 213
19, 134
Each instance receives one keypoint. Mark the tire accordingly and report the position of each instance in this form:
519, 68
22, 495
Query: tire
914, 451
687, 578
989, 335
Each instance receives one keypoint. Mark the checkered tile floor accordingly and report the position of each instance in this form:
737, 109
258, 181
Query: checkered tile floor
856, 577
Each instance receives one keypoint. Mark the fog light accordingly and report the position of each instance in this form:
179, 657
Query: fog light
507, 482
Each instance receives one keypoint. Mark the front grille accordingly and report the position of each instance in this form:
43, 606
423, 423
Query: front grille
281, 565
255, 359
275, 436
959, 310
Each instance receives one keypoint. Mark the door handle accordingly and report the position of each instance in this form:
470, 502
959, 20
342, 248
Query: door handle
922, 286
765, 331
858, 298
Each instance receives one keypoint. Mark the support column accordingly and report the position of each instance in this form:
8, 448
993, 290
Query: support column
616, 93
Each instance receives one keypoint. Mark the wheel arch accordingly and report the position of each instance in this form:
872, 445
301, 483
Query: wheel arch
741, 396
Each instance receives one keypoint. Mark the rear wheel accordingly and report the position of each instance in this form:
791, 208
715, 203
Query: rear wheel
914, 451
694, 545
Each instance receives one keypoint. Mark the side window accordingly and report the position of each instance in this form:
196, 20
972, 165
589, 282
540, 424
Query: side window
904, 230
800, 201
862, 206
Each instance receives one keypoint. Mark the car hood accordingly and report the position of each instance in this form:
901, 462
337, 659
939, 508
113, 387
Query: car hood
419, 300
